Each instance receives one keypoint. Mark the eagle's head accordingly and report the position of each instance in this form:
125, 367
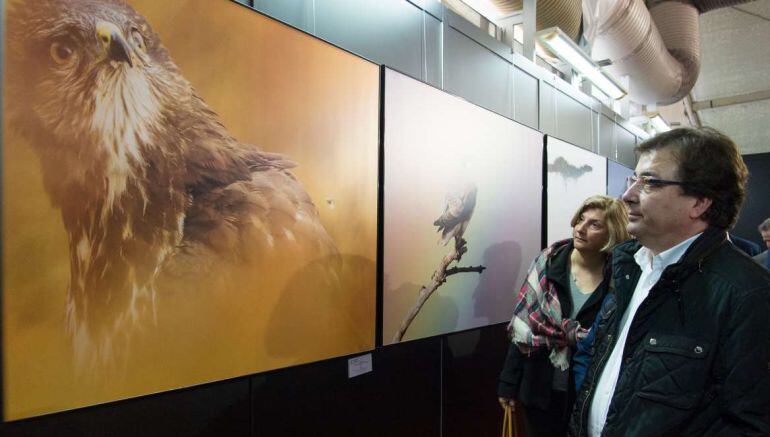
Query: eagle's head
90, 84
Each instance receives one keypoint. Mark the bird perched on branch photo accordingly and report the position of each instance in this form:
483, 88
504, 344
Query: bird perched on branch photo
457, 213
460, 203
148, 181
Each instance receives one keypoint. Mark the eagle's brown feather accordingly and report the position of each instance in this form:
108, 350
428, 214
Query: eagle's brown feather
149, 182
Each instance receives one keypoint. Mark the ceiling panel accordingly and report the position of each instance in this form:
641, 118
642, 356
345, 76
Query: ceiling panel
746, 124
735, 51
735, 56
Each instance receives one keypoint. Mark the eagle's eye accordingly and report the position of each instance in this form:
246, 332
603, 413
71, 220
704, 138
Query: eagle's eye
138, 39
61, 52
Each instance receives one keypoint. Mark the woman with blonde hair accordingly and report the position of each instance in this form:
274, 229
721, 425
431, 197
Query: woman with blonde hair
556, 305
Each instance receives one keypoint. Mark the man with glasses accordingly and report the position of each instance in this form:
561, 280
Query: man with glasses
682, 346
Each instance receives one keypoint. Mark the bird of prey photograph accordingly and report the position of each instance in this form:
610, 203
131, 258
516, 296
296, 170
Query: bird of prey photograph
457, 213
452, 224
173, 193
462, 210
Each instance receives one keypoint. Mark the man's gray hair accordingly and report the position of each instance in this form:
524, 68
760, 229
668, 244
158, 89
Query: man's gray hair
765, 226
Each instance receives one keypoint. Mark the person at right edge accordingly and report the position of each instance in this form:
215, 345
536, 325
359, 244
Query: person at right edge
764, 230
682, 344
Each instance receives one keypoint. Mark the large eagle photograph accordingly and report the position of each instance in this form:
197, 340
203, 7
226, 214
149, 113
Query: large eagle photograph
158, 200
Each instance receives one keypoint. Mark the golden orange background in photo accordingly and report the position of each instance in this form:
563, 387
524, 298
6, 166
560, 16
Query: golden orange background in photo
273, 87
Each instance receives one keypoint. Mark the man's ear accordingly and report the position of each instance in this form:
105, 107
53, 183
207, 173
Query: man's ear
699, 208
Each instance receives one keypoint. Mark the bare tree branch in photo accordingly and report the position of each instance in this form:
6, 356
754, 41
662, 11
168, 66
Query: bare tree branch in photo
452, 225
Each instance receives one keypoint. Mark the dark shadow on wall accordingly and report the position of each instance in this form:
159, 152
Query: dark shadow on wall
498, 285
325, 311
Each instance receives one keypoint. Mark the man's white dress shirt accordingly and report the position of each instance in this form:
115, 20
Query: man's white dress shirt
652, 267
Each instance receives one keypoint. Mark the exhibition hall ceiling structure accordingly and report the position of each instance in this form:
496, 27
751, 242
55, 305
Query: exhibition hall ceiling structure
462, 211
189, 195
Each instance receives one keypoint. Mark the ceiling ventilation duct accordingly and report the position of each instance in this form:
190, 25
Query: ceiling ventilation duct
656, 45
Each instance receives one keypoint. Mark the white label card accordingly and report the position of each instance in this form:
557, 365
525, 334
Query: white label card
359, 365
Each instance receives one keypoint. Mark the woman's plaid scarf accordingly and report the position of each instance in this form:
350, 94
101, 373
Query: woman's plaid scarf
537, 320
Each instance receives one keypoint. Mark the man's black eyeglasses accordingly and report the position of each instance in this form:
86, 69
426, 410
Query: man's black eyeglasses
648, 183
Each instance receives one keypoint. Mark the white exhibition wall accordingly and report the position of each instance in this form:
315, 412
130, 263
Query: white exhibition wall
616, 178
573, 175
450, 162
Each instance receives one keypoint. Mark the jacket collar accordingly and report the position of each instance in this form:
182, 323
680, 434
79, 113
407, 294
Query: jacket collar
645, 258
704, 246
557, 268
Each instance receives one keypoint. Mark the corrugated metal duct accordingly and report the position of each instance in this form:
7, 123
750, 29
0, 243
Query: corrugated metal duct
657, 45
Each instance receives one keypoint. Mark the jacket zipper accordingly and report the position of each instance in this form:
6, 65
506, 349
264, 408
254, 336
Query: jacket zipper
589, 398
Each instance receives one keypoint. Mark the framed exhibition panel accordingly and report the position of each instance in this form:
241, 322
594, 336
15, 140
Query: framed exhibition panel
462, 211
189, 194
574, 174
616, 178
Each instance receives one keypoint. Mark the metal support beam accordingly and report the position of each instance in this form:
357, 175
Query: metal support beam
530, 27
731, 100
692, 115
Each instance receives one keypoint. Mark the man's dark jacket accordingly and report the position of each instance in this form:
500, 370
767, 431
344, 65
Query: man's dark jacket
528, 379
697, 357
749, 247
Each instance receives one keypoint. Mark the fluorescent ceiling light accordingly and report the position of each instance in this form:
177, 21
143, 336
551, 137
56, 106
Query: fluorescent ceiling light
566, 49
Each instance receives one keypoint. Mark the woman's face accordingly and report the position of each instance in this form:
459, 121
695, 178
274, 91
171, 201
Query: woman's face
590, 232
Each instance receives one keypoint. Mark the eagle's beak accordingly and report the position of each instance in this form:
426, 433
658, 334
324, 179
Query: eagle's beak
113, 42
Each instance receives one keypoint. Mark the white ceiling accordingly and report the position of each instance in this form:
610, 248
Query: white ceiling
735, 47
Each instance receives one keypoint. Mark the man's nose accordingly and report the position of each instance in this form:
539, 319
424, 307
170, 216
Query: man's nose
630, 195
